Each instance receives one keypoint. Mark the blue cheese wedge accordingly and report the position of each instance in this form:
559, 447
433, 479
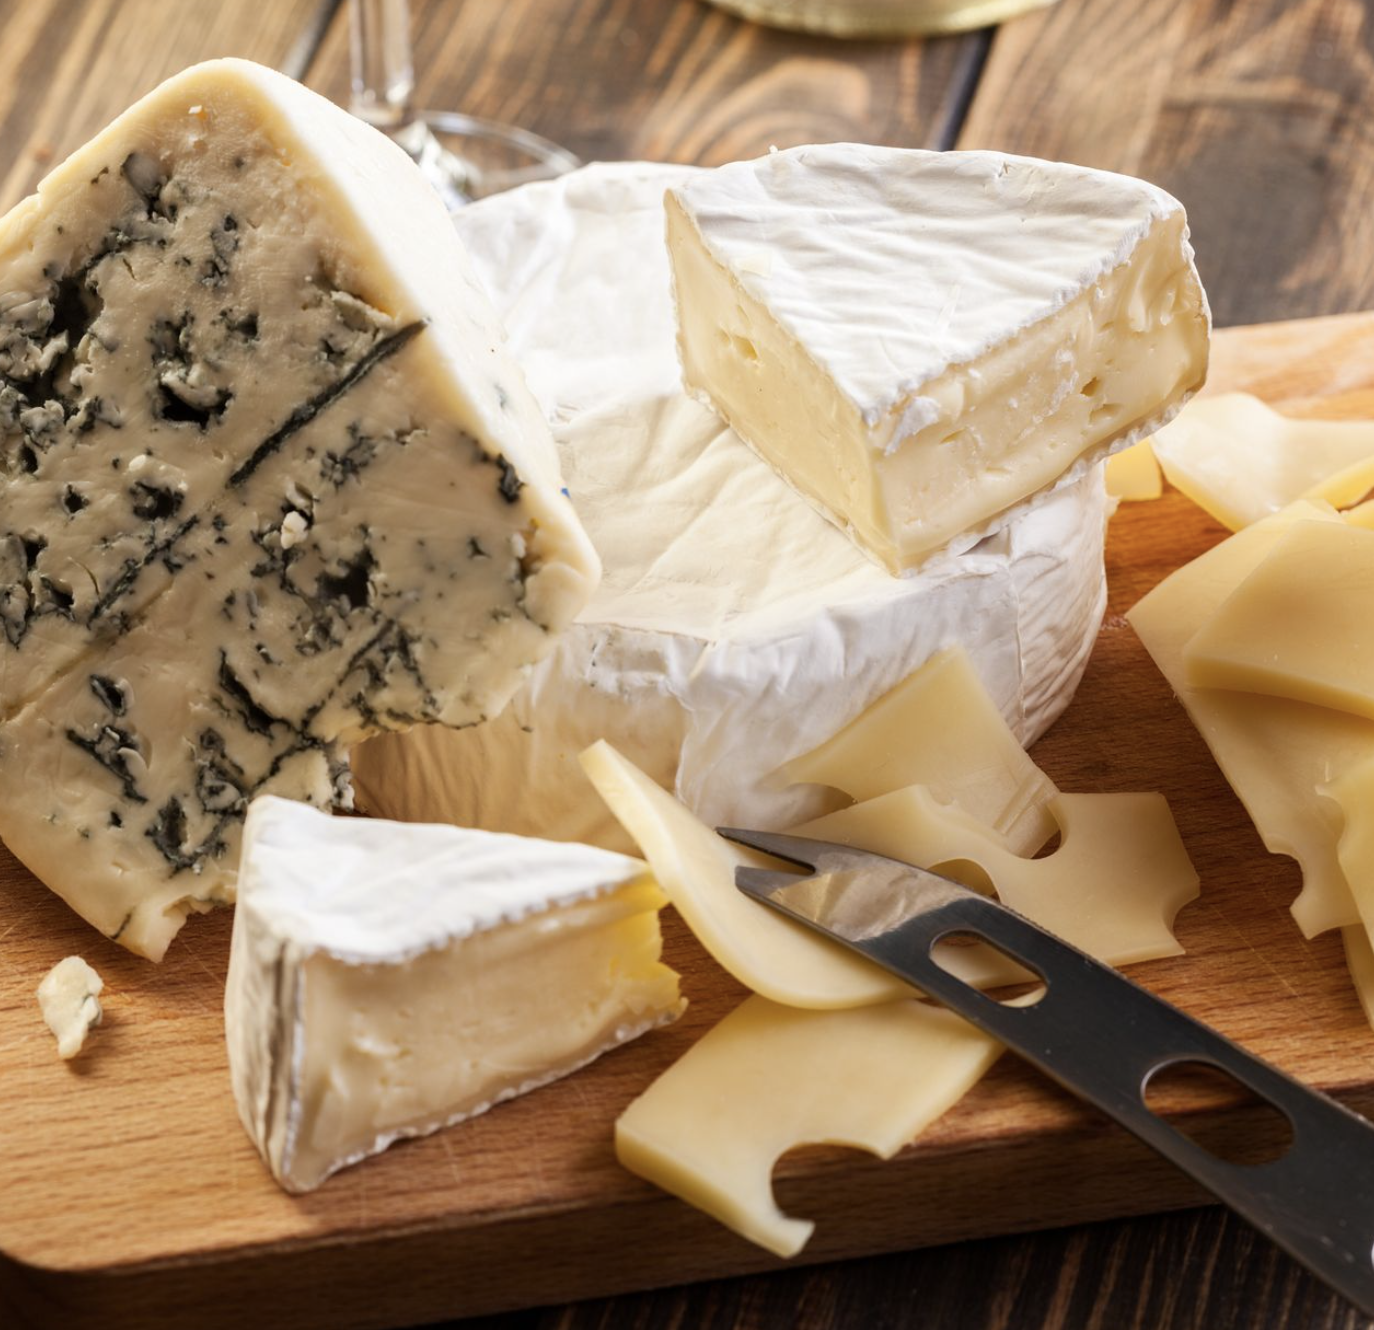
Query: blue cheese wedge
269, 483
923, 343
69, 998
386, 980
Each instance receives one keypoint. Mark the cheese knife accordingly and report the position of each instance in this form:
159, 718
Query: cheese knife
1100, 1036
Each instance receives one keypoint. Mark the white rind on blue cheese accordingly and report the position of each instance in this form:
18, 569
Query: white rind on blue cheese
269, 482
387, 980
734, 628
923, 343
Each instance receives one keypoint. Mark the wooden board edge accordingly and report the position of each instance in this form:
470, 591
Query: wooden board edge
1006, 1186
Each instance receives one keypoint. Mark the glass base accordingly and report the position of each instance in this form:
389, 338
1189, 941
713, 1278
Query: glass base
467, 158
880, 18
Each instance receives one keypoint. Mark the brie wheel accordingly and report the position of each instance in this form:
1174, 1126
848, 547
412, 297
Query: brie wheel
734, 628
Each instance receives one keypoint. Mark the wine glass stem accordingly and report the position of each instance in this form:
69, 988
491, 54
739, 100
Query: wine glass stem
382, 93
383, 69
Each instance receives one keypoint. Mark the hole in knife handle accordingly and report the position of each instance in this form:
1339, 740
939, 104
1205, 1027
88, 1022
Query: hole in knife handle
1213, 1109
981, 963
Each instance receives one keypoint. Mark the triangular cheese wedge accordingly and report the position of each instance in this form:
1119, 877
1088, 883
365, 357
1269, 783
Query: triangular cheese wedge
923, 342
270, 484
387, 979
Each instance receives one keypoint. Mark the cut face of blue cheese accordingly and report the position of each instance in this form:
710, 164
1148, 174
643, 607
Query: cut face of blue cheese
386, 980
922, 343
269, 483
734, 628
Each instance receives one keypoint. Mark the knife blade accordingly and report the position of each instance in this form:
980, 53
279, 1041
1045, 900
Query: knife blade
1099, 1035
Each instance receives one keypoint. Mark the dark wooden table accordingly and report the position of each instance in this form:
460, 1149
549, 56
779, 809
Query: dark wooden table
1258, 114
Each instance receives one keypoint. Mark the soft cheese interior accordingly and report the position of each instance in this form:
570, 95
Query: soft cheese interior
922, 342
387, 980
270, 484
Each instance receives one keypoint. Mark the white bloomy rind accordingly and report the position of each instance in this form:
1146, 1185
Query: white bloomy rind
734, 628
387, 979
924, 342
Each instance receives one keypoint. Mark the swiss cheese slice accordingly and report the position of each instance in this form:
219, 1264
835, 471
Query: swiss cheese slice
881, 324
939, 729
1133, 474
1352, 793
1359, 960
776, 957
1241, 460
386, 980
734, 628
271, 483
1111, 887
1299, 626
769, 1078
1275, 752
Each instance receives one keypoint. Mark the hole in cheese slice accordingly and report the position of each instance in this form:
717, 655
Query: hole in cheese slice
769, 1078
1112, 887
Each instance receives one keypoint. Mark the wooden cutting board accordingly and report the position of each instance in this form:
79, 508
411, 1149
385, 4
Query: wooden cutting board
129, 1192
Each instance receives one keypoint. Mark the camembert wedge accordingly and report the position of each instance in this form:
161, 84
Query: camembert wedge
923, 342
388, 979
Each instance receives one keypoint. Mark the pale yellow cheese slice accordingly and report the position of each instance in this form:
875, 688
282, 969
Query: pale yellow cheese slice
772, 1077
772, 955
1352, 792
1275, 752
938, 728
1300, 625
1241, 460
1359, 960
769, 1078
1134, 475
1112, 886
1361, 515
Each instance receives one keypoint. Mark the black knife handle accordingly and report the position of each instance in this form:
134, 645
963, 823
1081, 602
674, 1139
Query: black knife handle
1103, 1037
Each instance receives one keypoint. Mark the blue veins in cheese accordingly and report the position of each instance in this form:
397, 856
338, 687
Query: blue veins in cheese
269, 483
386, 980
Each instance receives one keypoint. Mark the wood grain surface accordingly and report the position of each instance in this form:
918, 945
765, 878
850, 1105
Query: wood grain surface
68, 67
131, 1188
1255, 114
1254, 111
663, 80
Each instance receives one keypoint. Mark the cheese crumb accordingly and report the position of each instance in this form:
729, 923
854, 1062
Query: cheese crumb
293, 529
68, 998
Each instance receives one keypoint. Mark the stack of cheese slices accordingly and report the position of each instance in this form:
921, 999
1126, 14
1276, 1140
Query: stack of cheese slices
276, 488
